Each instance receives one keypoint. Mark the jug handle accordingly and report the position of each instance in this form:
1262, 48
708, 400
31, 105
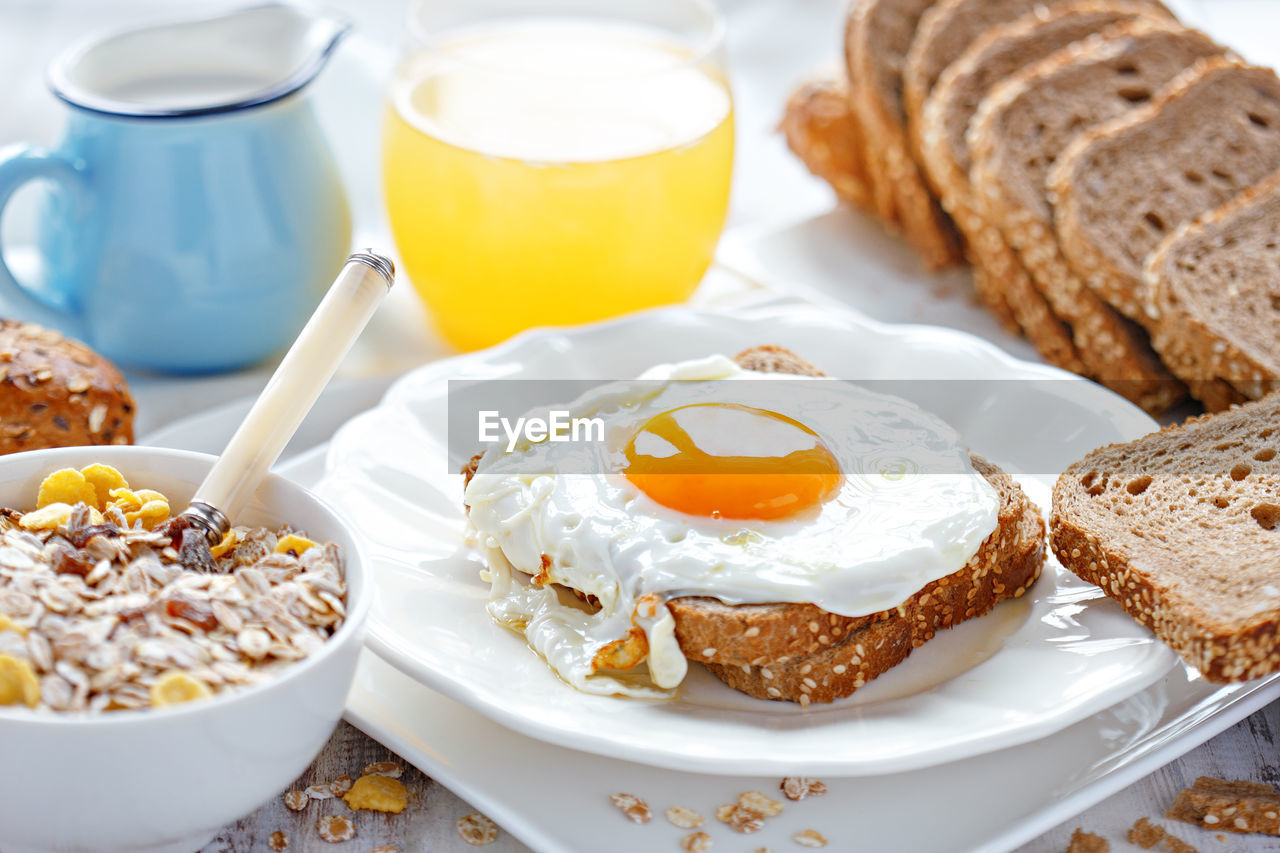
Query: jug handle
20, 164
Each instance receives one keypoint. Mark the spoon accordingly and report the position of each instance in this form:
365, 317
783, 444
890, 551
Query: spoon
307, 367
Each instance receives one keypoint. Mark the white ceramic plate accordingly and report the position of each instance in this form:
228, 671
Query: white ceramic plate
1029, 668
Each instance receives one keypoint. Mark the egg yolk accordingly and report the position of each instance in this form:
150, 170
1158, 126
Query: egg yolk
723, 460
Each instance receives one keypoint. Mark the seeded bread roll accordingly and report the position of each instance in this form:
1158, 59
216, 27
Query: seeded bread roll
821, 129
56, 392
1182, 527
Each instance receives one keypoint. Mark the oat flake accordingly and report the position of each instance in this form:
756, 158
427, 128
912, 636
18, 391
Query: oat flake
684, 817
278, 841
636, 809
810, 838
696, 842
296, 800
336, 828
477, 830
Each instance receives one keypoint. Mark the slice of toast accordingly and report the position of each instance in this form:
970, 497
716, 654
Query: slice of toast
1182, 527
942, 123
1019, 130
1212, 293
877, 36
801, 653
1122, 187
822, 130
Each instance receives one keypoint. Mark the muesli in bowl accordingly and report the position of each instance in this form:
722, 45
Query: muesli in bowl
110, 622
100, 612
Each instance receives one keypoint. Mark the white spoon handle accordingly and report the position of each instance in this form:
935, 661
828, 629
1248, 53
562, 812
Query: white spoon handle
293, 389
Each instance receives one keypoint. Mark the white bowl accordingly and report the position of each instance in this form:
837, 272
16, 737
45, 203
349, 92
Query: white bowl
169, 779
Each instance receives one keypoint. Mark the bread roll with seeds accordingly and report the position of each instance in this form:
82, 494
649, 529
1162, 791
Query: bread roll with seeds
56, 392
1182, 527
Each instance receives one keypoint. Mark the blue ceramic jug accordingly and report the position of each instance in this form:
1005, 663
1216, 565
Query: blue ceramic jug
196, 215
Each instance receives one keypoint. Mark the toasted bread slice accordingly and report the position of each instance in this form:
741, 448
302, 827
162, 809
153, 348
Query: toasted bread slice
802, 653
1022, 126
877, 36
1122, 187
1182, 527
1006, 565
821, 129
1212, 293
942, 123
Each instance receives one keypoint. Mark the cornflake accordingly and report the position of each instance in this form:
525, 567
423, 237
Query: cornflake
636, 809
296, 800
683, 817
278, 841
696, 842
336, 828
799, 787
477, 830
810, 838
377, 793
383, 768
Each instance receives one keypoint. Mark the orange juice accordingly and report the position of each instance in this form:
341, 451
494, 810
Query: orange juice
554, 173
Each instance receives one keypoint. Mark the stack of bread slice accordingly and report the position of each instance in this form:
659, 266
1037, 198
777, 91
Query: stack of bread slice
1066, 150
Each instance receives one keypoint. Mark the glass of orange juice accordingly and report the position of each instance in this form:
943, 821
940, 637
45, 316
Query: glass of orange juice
551, 162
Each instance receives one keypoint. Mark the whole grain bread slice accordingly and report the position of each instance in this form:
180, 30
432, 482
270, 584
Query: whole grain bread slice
1182, 527
877, 36
1211, 291
846, 658
1000, 280
1122, 187
1019, 130
821, 129
949, 27
802, 653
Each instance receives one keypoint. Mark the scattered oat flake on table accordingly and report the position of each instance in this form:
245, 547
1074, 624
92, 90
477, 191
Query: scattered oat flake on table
319, 792
383, 768
379, 794
296, 800
1087, 842
338, 787
741, 820
696, 842
278, 841
1239, 806
477, 830
336, 828
810, 838
636, 809
799, 787
684, 817
760, 804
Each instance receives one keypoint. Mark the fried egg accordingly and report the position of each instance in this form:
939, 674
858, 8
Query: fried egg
785, 489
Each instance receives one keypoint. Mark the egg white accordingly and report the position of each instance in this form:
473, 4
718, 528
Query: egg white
910, 509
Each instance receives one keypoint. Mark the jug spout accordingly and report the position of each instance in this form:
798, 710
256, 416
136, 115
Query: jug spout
238, 59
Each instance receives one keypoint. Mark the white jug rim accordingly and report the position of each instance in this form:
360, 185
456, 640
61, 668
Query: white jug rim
235, 60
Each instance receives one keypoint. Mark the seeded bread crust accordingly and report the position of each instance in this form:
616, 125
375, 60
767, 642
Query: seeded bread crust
769, 650
821, 129
1017, 132
1000, 280
877, 36
1006, 565
1211, 292
1122, 187
1182, 527
56, 392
